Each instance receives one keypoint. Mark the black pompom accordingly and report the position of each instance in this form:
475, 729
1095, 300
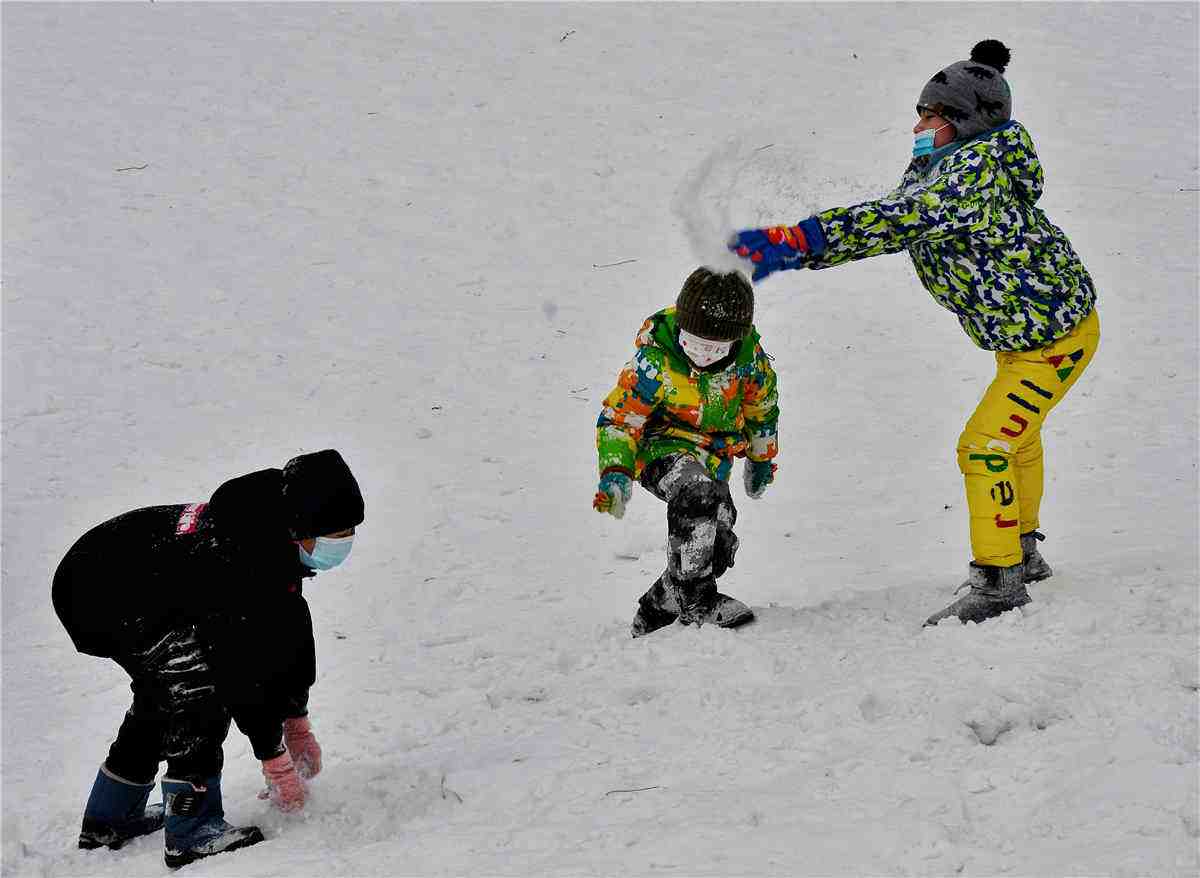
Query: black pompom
993, 53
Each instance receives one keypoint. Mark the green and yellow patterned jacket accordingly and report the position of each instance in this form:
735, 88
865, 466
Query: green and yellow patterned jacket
662, 404
981, 246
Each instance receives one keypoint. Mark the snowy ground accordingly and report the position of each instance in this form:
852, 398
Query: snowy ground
235, 232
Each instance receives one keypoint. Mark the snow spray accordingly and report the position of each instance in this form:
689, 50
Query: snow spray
747, 182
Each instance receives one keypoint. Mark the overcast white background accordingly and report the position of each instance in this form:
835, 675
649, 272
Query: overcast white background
233, 233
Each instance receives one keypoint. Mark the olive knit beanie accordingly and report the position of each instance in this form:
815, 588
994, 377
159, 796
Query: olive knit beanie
715, 306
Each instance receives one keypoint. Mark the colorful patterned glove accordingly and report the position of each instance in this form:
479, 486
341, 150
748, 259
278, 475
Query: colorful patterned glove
757, 474
779, 247
285, 789
302, 746
614, 493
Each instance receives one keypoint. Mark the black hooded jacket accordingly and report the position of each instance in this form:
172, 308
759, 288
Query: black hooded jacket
229, 567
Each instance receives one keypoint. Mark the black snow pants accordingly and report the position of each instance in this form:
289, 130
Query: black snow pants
700, 540
175, 715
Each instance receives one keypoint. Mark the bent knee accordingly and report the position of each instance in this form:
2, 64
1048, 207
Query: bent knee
978, 450
698, 499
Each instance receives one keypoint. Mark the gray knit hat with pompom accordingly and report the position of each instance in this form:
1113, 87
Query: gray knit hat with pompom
972, 95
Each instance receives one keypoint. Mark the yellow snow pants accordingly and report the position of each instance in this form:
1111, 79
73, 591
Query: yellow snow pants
1000, 450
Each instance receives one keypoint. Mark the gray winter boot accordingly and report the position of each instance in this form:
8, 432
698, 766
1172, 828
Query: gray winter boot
656, 609
696, 603
994, 590
725, 612
1033, 565
701, 604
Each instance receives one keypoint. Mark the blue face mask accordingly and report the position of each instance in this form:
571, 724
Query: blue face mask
923, 141
328, 552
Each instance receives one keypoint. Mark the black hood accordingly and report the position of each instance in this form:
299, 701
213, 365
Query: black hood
320, 495
250, 506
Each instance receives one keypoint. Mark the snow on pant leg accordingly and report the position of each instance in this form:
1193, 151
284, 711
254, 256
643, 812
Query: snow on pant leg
700, 538
1000, 451
138, 749
176, 673
660, 598
700, 517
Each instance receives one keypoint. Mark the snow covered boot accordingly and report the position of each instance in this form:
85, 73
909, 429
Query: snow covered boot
1032, 563
196, 826
653, 610
725, 612
701, 604
116, 812
994, 590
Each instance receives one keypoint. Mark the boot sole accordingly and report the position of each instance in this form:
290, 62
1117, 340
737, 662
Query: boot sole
176, 861
87, 843
738, 621
97, 835
652, 625
979, 615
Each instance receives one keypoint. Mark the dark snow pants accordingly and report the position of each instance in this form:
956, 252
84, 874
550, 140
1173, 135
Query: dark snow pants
175, 715
700, 540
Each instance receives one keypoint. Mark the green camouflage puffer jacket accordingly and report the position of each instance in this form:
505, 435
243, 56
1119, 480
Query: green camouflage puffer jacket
662, 405
980, 245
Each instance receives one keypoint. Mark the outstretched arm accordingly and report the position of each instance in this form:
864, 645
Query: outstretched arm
957, 201
954, 203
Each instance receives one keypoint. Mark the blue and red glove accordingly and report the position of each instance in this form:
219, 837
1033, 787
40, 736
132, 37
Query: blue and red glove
779, 247
756, 475
614, 493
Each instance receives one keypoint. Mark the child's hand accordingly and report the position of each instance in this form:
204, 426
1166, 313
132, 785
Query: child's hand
302, 746
756, 475
285, 789
613, 494
779, 247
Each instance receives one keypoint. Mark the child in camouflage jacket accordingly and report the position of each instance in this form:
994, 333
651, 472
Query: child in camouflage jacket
966, 212
699, 392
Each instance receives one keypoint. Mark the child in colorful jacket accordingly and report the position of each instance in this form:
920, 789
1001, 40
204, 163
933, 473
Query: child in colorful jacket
966, 212
699, 392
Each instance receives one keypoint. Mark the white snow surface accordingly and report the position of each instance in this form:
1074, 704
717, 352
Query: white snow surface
426, 235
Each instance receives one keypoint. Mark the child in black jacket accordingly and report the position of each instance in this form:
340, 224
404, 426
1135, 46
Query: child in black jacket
202, 605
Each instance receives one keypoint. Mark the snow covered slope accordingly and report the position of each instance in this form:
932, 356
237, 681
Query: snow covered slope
426, 235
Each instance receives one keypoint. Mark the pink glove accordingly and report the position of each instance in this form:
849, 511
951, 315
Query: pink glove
285, 789
302, 746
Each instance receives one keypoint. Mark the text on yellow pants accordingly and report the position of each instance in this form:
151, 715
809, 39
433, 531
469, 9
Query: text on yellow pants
1000, 450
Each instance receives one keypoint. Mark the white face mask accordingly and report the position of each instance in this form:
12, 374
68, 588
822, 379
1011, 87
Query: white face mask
703, 351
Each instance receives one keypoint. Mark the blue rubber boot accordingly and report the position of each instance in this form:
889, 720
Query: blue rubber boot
116, 812
196, 826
